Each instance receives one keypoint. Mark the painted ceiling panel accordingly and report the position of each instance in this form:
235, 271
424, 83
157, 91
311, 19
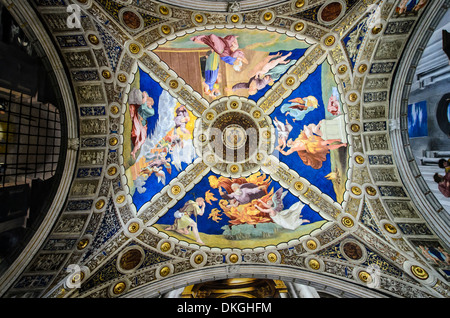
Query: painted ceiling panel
256, 137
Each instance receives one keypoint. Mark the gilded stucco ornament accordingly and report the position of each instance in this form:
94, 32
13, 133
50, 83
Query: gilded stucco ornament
230, 139
176, 189
233, 258
82, 244
273, 257
100, 204
356, 190
119, 288
419, 272
311, 244
130, 259
314, 264
165, 247
347, 222
359, 159
133, 227
120, 199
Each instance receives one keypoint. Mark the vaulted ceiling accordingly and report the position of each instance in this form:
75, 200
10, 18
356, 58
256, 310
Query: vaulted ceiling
157, 95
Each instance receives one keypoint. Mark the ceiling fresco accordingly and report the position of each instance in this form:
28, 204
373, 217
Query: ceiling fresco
224, 144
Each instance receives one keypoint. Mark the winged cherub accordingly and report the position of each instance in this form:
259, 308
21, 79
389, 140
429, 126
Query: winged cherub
290, 218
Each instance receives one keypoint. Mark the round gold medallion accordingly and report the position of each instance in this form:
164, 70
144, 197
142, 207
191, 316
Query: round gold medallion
164, 271
365, 277
165, 29
377, 29
362, 68
268, 16
347, 222
115, 110
173, 84
198, 259
234, 105
165, 247
164, 10
133, 227
82, 244
100, 204
299, 3
299, 26
120, 199
298, 186
359, 159
290, 81
176, 189
93, 39
119, 288
371, 191
256, 114
329, 41
134, 48
353, 97
113, 141
390, 228
311, 244
234, 258
342, 69
235, 18
198, 18
356, 190
122, 78
355, 127
272, 257
106, 74
259, 156
419, 272
314, 264
209, 116
112, 171
234, 168
77, 277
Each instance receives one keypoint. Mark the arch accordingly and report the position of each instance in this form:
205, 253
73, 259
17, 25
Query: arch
424, 199
322, 282
25, 15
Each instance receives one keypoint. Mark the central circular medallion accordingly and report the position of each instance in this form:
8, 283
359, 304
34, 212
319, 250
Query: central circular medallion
233, 136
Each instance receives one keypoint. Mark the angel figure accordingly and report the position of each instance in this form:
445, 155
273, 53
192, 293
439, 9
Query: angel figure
312, 150
283, 130
243, 193
158, 171
299, 107
290, 218
271, 62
